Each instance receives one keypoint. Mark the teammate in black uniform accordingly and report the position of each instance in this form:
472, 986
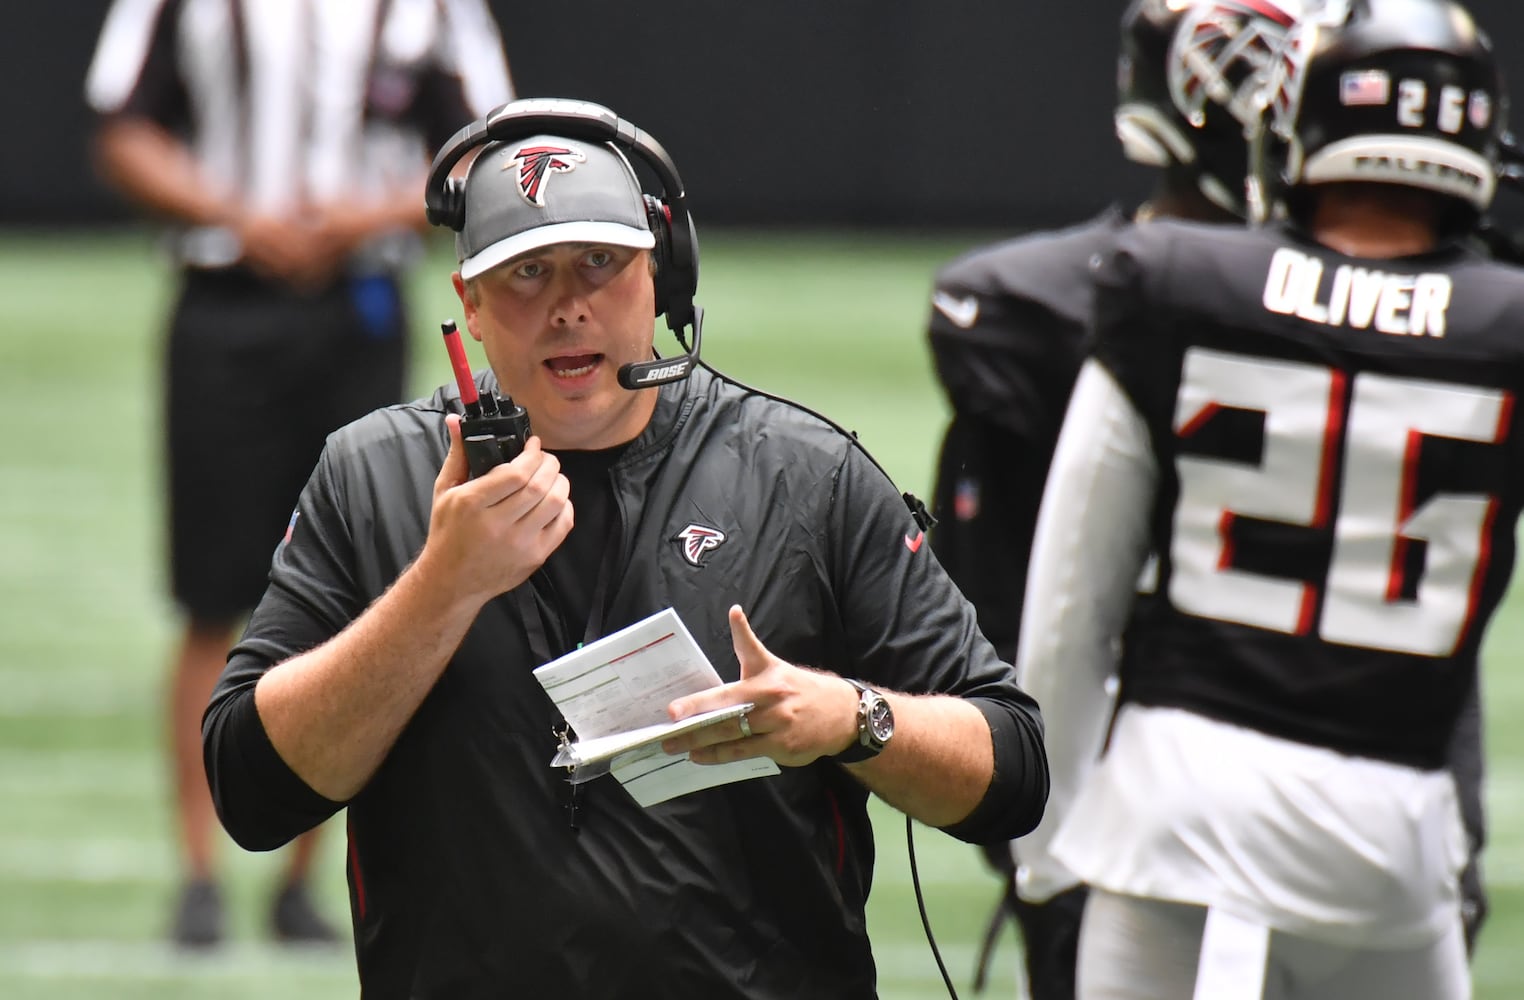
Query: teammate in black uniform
1008, 333
388, 668
1302, 439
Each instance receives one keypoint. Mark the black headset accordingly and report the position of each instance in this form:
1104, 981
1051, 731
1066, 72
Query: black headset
676, 249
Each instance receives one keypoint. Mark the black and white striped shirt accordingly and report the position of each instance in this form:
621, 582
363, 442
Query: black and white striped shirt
286, 103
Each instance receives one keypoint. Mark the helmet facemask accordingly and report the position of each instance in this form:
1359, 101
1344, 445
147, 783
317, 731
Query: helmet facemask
1190, 82
1402, 92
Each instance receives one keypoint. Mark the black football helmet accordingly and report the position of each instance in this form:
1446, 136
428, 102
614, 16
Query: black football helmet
1189, 82
1403, 92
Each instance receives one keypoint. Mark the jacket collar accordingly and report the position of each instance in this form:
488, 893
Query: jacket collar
673, 407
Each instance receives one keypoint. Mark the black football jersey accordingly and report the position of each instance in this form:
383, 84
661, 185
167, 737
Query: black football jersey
1008, 330
1339, 478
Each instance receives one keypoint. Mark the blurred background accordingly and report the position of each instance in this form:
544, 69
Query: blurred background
835, 154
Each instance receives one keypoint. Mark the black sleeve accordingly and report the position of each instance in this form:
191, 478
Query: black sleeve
1140, 357
988, 487
910, 630
261, 801
1007, 364
159, 93
1014, 365
442, 103
440, 108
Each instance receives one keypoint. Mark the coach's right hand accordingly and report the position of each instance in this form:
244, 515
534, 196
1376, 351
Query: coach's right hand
488, 535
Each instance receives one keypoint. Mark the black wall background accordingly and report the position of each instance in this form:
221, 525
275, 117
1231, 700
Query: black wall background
791, 112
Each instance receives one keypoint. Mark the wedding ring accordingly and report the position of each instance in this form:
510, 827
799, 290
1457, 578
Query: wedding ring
745, 725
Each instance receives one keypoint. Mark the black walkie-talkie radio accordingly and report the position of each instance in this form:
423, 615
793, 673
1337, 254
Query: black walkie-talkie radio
494, 428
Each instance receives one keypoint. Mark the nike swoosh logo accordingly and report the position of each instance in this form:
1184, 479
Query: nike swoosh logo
963, 312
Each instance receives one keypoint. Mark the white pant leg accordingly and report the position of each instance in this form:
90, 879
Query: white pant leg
1145, 949
1305, 969
1132, 948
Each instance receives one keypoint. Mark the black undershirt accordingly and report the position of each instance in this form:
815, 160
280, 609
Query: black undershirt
574, 567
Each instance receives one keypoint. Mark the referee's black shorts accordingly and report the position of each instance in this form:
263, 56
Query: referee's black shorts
257, 377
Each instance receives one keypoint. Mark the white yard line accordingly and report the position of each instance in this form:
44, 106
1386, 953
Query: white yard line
61, 773
38, 691
137, 960
91, 859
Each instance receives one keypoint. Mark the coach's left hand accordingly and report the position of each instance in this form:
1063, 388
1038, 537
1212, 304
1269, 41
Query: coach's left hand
801, 714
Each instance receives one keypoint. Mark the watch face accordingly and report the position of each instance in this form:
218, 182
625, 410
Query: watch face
881, 721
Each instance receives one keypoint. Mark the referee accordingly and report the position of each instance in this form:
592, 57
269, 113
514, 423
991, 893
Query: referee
285, 144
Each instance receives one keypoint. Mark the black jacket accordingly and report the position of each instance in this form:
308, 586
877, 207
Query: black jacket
1008, 329
466, 877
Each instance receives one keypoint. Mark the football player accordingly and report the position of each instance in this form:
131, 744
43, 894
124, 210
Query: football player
1302, 439
1007, 333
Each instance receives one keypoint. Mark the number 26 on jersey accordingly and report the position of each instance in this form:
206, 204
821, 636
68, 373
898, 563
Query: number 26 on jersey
1345, 448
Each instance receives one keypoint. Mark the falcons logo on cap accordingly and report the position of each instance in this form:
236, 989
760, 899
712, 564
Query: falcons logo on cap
697, 539
536, 163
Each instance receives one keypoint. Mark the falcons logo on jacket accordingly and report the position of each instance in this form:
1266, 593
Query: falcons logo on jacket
536, 163
696, 539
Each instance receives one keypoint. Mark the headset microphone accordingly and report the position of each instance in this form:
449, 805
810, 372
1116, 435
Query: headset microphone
660, 371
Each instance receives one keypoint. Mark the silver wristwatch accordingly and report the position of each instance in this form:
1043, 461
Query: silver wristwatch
875, 725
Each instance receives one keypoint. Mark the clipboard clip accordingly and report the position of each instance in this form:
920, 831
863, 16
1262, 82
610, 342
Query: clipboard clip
566, 756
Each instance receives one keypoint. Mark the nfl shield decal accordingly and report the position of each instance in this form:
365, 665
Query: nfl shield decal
697, 539
966, 499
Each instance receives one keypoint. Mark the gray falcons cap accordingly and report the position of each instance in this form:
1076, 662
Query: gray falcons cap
531, 193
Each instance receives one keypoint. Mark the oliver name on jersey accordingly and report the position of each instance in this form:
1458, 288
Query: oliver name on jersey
1362, 298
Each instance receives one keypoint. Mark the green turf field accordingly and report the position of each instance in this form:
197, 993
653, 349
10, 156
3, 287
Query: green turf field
87, 859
